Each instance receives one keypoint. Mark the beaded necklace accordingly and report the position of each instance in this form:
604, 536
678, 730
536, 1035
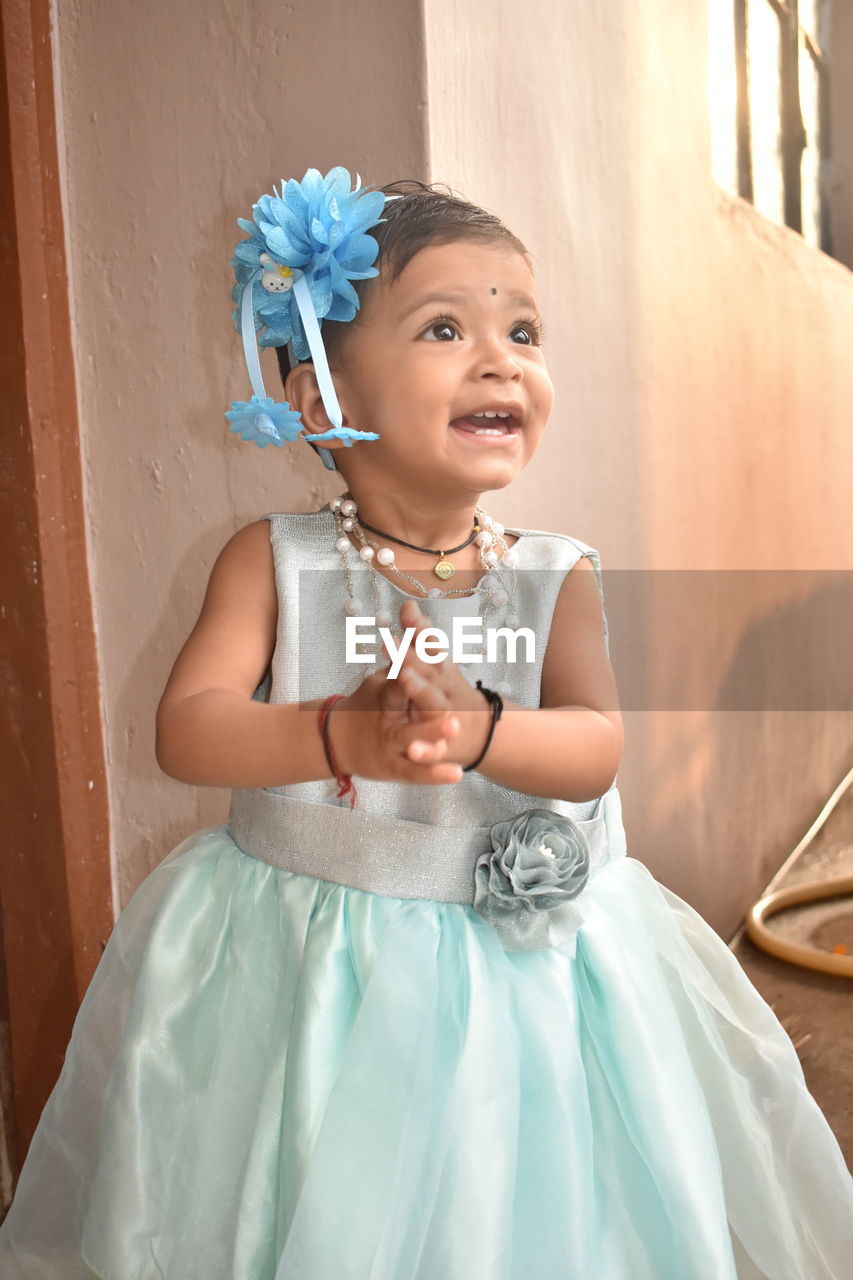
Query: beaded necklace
490, 587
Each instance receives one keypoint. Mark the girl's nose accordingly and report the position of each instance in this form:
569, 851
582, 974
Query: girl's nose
494, 357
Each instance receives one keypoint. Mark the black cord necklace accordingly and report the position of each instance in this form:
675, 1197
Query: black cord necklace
444, 569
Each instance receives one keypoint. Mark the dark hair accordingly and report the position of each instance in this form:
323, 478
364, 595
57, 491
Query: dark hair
424, 215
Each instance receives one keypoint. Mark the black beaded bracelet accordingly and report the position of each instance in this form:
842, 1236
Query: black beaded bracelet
496, 704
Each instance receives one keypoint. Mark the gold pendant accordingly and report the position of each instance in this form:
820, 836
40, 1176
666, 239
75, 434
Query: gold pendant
444, 569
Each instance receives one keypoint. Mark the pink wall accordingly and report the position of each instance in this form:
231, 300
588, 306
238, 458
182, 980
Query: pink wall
702, 420
176, 118
699, 353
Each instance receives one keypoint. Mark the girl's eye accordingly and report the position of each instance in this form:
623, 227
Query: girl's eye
447, 325
439, 323
533, 329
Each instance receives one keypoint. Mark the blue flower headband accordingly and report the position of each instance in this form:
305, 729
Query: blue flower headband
293, 272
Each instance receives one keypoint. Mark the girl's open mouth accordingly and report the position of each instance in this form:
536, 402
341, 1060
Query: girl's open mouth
487, 430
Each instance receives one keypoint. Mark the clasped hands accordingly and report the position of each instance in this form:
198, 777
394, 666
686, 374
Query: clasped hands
424, 725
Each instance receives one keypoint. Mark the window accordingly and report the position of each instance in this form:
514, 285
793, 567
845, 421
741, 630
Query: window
769, 96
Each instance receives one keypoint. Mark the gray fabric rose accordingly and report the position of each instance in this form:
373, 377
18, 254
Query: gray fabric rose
526, 886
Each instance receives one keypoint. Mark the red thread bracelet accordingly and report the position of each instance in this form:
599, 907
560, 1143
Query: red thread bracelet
346, 786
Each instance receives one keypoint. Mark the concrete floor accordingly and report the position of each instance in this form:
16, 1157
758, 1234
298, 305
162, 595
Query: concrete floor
816, 1009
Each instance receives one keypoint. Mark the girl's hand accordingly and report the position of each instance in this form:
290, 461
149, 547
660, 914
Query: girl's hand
372, 730
472, 710
420, 727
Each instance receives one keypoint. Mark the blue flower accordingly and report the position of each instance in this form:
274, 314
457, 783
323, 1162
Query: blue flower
264, 421
317, 228
527, 884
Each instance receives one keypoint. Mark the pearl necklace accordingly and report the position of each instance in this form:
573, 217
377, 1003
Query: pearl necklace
490, 585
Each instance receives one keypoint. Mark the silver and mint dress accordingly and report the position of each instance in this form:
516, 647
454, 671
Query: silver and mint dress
437, 1037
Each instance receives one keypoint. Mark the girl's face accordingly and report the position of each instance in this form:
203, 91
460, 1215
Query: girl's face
456, 334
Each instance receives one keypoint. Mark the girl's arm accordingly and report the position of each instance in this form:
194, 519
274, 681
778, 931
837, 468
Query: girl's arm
209, 731
571, 746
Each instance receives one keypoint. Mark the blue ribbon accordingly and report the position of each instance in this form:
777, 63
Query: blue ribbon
321, 366
328, 395
250, 340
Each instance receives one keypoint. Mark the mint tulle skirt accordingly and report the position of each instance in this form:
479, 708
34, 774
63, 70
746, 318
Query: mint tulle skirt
274, 1077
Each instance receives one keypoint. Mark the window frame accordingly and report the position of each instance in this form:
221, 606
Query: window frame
794, 139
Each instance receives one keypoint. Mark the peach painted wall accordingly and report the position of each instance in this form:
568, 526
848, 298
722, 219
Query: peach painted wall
176, 118
701, 356
698, 352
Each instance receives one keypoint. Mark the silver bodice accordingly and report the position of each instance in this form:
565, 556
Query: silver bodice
310, 661
402, 839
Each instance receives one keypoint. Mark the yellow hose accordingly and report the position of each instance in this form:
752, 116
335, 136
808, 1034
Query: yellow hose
798, 952
812, 891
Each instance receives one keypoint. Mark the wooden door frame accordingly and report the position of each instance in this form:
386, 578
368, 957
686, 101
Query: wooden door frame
56, 908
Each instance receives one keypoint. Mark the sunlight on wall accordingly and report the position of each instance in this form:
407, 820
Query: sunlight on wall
810, 108
811, 154
765, 108
722, 94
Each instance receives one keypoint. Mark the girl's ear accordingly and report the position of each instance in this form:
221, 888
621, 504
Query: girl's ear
302, 392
